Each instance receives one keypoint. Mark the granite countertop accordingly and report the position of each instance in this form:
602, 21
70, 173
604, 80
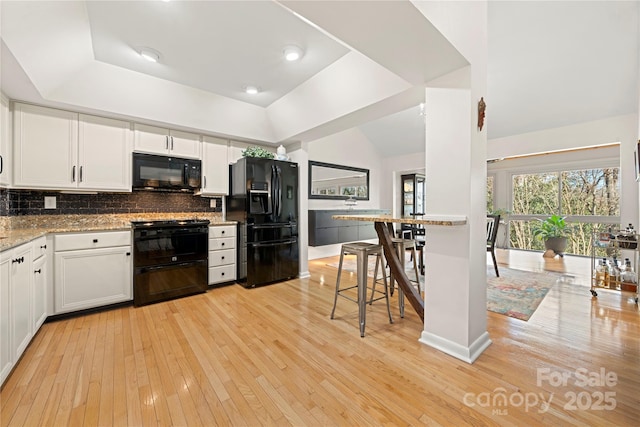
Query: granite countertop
440, 220
18, 230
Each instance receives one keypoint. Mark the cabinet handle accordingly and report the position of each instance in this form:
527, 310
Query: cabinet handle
73, 174
222, 258
38, 271
222, 244
172, 143
222, 273
80, 173
18, 260
128, 253
1, 164
222, 232
43, 247
204, 179
166, 142
95, 240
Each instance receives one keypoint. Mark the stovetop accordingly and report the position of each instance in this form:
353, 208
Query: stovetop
170, 223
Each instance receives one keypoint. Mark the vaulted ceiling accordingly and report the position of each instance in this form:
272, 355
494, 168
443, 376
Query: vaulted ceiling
364, 64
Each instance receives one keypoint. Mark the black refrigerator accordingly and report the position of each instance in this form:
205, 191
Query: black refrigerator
264, 201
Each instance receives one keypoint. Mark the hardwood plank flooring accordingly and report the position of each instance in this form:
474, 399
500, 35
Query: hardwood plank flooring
272, 356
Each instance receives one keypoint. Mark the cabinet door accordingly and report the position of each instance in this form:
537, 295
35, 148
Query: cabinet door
5, 143
20, 297
215, 166
104, 154
92, 278
184, 144
39, 293
150, 139
45, 147
6, 359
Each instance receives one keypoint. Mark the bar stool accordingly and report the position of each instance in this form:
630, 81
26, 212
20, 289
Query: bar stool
362, 251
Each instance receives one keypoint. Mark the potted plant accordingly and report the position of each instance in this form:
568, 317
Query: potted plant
257, 152
554, 231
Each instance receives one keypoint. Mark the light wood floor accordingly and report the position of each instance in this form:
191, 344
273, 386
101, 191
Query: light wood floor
272, 356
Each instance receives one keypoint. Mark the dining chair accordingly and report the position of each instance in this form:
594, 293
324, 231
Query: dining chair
493, 222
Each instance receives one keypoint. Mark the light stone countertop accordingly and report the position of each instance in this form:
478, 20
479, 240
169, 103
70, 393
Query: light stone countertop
14, 231
439, 220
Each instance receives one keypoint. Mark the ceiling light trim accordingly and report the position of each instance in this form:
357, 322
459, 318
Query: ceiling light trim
149, 54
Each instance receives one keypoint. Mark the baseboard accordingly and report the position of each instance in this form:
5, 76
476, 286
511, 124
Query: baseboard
466, 354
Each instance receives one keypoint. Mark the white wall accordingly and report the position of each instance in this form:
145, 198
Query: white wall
349, 148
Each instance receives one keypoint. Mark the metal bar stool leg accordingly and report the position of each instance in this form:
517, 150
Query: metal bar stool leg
335, 298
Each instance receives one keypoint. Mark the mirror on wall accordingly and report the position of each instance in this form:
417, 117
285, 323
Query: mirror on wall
329, 181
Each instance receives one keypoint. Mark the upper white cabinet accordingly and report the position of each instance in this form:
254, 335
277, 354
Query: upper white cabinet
215, 166
55, 149
156, 140
104, 154
45, 147
235, 150
5, 143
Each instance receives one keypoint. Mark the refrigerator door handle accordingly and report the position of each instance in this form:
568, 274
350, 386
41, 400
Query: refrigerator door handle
274, 243
270, 226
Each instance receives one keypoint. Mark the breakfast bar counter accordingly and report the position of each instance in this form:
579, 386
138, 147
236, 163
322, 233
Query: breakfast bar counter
383, 225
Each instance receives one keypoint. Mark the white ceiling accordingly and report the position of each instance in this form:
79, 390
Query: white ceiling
550, 64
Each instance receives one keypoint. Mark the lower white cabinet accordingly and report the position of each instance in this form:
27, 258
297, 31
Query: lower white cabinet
16, 329
222, 254
92, 270
39, 314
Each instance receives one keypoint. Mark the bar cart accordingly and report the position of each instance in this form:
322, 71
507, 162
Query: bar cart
614, 261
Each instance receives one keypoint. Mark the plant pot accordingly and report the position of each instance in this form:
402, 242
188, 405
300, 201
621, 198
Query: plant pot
556, 244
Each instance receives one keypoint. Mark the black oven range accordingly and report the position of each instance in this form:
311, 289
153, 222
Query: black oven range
169, 259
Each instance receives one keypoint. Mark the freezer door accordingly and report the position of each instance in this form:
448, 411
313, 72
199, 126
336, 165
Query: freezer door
269, 262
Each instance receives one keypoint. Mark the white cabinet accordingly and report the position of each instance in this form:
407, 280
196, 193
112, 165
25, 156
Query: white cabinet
23, 298
222, 254
40, 284
5, 143
215, 166
92, 270
157, 140
104, 154
45, 147
6, 359
20, 297
55, 149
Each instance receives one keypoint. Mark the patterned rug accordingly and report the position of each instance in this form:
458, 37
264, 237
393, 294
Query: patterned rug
516, 293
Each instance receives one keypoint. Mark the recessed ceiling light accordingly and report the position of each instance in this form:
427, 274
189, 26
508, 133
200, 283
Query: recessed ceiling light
149, 54
251, 90
292, 53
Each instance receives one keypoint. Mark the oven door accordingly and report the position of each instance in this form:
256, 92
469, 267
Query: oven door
169, 245
153, 284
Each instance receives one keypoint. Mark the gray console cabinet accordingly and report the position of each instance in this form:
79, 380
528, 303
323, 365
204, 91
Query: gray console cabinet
324, 230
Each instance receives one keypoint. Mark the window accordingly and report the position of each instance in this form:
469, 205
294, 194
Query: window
588, 198
490, 193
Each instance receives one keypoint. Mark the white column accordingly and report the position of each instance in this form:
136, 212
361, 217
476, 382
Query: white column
299, 153
455, 260
455, 297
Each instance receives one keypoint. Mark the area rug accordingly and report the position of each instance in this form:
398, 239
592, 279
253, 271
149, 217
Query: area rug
516, 293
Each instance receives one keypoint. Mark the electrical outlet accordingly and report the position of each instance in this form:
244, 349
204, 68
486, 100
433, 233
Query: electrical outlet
49, 202
213, 203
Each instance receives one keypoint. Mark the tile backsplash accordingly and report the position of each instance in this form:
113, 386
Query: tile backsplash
30, 202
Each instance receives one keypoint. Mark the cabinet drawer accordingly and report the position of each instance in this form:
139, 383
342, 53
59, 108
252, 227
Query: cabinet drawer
39, 247
224, 273
223, 257
222, 231
222, 243
73, 241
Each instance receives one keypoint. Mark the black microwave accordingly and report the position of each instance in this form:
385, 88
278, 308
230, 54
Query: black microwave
152, 172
